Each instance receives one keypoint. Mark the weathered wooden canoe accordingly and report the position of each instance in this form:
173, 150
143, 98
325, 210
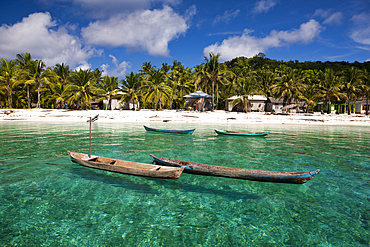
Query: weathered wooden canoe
126, 167
246, 174
170, 131
234, 133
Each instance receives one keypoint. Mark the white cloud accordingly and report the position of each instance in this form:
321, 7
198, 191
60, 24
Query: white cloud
361, 35
248, 46
322, 13
39, 35
335, 18
263, 6
226, 17
149, 30
236, 46
361, 30
119, 70
329, 18
84, 66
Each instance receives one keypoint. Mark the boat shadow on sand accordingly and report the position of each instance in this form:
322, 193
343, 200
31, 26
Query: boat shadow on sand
228, 194
116, 180
127, 182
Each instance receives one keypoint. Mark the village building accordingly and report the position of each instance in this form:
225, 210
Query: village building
279, 105
198, 101
116, 104
361, 105
256, 103
337, 107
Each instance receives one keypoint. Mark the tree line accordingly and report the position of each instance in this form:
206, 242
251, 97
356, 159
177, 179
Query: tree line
25, 82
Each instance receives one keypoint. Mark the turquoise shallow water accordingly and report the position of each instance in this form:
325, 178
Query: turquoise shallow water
48, 201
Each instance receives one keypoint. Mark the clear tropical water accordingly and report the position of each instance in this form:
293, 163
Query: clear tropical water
48, 201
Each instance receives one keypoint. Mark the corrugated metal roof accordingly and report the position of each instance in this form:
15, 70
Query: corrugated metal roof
250, 97
362, 100
198, 94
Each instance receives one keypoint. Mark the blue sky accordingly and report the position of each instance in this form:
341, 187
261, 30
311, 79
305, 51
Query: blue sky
120, 35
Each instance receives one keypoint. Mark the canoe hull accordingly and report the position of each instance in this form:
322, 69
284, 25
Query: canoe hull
126, 167
246, 174
233, 133
169, 131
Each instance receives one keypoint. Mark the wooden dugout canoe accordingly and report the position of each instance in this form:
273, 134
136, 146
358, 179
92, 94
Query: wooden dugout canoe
126, 167
246, 174
234, 133
170, 131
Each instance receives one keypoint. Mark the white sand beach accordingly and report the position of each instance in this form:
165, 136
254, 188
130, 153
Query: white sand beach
146, 115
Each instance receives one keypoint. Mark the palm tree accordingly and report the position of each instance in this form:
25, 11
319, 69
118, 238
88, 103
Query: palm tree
243, 89
147, 68
200, 77
81, 88
3, 95
8, 77
24, 62
229, 87
63, 72
131, 88
351, 83
39, 76
165, 68
19, 96
97, 76
265, 79
365, 88
181, 81
330, 87
310, 95
107, 89
289, 86
311, 88
58, 93
155, 88
212, 73
215, 73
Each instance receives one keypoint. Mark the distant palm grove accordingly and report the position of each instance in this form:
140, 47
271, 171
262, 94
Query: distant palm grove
25, 82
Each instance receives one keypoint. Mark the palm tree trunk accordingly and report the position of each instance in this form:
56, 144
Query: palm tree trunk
28, 97
213, 95
9, 98
217, 96
38, 97
245, 103
367, 104
349, 107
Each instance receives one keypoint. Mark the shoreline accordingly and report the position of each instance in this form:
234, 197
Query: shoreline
173, 116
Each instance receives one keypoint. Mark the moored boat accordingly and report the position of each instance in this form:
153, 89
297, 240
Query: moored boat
170, 131
234, 133
126, 167
238, 173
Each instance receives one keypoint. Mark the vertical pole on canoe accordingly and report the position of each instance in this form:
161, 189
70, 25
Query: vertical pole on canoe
90, 140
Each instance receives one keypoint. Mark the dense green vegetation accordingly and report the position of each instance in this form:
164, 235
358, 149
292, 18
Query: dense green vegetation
25, 81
